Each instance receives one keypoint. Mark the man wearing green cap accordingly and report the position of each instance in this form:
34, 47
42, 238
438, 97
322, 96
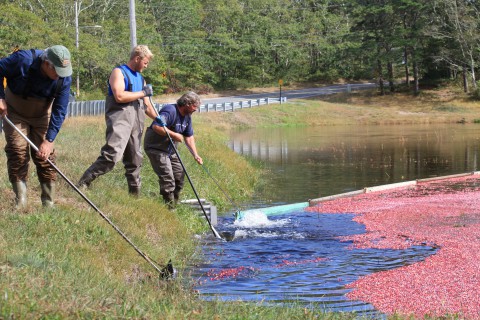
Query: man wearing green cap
35, 100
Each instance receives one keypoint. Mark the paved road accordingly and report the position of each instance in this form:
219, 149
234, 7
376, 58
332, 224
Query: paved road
295, 94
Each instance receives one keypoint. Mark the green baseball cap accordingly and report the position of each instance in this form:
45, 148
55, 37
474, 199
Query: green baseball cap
60, 57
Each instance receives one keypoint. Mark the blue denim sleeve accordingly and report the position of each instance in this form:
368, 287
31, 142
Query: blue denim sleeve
59, 110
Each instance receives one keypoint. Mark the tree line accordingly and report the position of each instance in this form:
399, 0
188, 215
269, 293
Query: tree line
211, 44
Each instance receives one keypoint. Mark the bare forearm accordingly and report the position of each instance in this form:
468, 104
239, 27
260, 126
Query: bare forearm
190, 143
161, 131
127, 96
150, 110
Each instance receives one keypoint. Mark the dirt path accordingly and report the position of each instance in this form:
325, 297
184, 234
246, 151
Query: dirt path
445, 214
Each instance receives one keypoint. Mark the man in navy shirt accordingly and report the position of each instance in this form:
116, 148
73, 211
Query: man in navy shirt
36, 101
177, 120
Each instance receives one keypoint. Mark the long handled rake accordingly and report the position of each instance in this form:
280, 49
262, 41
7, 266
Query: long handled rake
215, 233
163, 272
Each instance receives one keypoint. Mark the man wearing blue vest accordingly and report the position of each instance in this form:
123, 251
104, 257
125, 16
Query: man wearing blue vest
125, 107
36, 101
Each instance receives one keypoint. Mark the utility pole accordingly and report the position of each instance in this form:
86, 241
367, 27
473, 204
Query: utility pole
77, 46
133, 25
78, 9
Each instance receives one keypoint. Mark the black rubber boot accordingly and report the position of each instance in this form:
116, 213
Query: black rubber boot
85, 180
134, 191
169, 200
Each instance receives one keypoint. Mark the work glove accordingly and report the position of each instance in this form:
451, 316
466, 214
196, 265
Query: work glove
148, 90
160, 121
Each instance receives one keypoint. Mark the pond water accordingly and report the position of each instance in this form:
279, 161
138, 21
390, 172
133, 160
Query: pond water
294, 258
308, 163
297, 257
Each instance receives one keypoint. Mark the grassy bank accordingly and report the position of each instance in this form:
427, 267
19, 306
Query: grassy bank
357, 108
69, 263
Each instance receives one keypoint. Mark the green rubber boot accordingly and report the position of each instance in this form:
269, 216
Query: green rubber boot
20, 189
48, 190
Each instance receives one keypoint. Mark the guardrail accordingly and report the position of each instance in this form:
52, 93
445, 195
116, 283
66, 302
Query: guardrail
97, 107
86, 108
232, 106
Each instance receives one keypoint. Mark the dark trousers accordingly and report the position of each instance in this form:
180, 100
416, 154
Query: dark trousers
169, 171
31, 116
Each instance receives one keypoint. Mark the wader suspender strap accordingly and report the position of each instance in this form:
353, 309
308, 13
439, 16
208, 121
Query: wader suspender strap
57, 89
28, 85
129, 81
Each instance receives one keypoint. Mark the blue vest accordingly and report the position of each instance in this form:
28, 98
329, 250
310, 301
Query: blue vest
133, 80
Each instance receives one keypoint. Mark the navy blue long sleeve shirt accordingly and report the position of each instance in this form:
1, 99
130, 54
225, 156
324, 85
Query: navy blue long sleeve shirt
15, 69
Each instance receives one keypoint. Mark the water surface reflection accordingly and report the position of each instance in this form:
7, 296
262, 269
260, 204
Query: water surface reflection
312, 162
